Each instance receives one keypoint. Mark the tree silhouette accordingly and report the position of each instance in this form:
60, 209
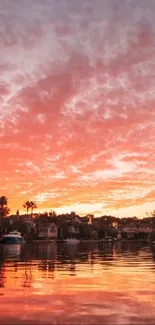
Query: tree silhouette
27, 206
33, 205
3, 201
4, 210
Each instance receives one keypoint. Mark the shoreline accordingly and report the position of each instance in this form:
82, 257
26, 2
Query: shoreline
60, 241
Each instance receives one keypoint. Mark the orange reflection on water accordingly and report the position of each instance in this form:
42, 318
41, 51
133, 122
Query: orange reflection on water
52, 284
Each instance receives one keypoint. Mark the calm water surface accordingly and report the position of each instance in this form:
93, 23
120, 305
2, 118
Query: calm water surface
80, 284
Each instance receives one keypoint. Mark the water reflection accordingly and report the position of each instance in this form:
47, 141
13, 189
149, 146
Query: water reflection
11, 252
153, 252
65, 283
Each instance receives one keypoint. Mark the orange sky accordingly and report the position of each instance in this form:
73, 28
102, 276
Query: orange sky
77, 119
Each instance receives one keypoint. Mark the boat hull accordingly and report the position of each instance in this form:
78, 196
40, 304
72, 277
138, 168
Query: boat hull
12, 240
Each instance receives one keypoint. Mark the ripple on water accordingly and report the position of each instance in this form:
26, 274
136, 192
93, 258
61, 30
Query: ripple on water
87, 285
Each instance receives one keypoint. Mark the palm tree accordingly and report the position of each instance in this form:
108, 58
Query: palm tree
27, 206
4, 210
33, 206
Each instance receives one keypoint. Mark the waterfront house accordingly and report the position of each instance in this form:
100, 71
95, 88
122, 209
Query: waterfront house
71, 230
145, 228
47, 231
130, 231
93, 231
139, 231
77, 219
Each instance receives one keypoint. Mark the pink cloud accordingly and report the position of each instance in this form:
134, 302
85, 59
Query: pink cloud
77, 104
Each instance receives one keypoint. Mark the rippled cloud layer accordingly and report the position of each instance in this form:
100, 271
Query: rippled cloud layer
77, 116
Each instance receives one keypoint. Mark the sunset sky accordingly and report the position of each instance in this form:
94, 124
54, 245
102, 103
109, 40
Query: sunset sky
77, 105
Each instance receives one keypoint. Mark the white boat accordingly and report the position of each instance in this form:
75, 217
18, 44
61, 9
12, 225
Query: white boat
13, 237
107, 240
72, 241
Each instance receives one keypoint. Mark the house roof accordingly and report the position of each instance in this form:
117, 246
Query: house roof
46, 225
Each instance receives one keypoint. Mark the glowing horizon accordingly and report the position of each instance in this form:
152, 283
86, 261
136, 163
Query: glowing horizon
77, 119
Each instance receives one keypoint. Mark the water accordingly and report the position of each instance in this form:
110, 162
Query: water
79, 284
